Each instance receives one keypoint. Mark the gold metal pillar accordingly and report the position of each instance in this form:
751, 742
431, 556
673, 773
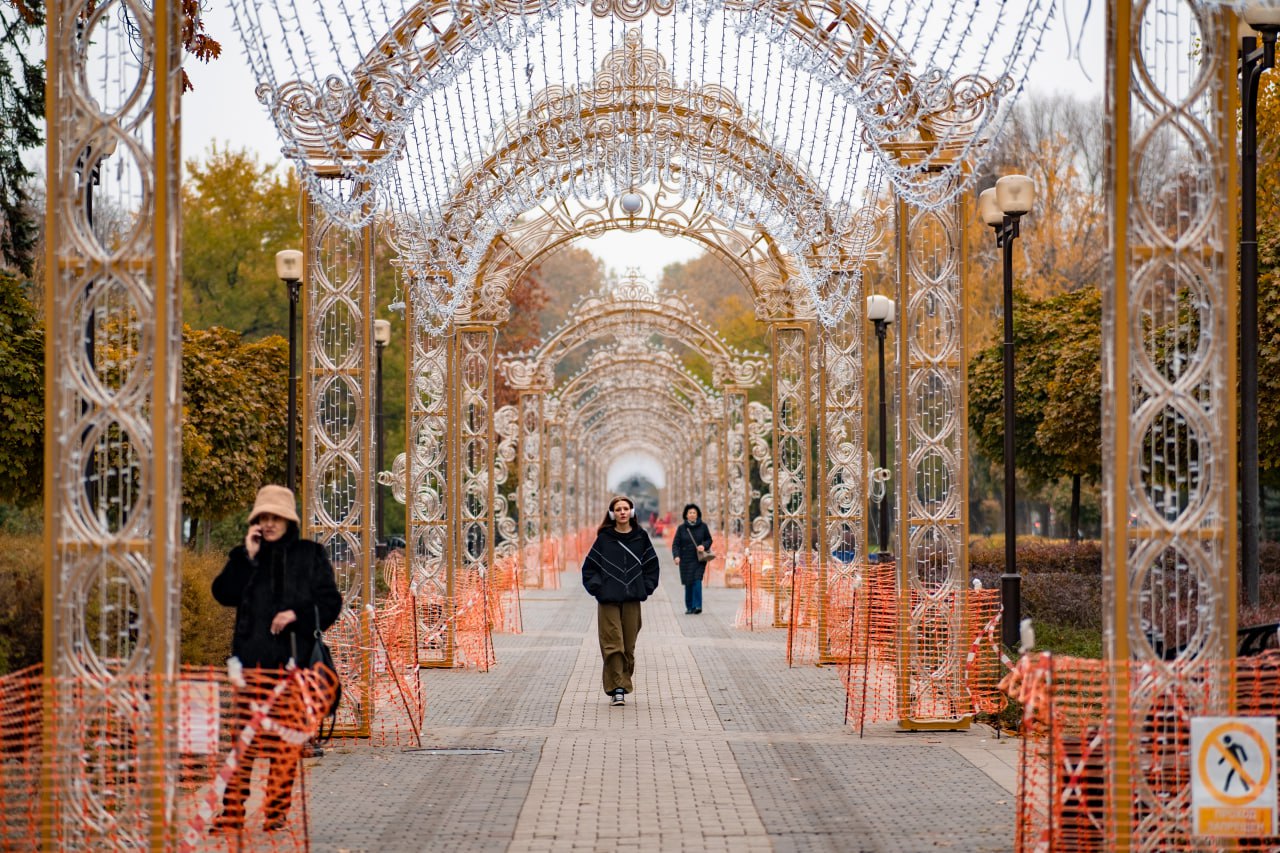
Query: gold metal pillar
113, 445
792, 422
555, 489
1169, 393
338, 436
930, 468
737, 482
531, 404
427, 439
842, 490
470, 456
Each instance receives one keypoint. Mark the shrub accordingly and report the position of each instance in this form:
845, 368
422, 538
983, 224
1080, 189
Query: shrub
1036, 554
21, 601
206, 624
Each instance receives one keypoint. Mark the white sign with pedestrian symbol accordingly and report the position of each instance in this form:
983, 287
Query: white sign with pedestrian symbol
1233, 787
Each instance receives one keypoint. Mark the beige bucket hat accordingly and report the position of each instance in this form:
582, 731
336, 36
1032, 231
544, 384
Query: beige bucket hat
276, 500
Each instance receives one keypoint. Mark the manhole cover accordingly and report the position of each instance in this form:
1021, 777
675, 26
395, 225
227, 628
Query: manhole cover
457, 750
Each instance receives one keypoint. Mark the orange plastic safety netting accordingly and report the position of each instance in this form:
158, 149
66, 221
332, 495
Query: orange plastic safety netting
930, 658
758, 601
81, 769
1068, 789
375, 651
504, 595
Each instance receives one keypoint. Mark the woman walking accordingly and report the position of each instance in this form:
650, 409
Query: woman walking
282, 587
692, 540
621, 570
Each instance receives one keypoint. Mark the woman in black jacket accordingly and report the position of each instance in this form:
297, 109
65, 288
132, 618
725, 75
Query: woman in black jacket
620, 571
692, 538
283, 589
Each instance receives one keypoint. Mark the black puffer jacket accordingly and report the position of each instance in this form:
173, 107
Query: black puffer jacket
685, 547
621, 566
291, 574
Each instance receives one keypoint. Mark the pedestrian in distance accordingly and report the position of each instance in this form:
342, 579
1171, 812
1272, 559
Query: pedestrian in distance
283, 589
620, 571
692, 540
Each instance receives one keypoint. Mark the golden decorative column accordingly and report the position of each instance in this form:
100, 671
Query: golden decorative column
469, 482
930, 467
792, 422
842, 491
113, 443
338, 435
1168, 396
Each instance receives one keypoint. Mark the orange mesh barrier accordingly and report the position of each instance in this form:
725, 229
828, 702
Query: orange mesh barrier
238, 776
799, 607
504, 591
756, 612
473, 623
1065, 802
376, 655
868, 635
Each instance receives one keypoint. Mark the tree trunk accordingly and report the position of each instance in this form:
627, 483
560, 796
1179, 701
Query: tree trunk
195, 530
1073, 534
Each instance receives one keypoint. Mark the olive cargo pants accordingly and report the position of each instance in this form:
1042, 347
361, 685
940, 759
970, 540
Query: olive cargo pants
618, 624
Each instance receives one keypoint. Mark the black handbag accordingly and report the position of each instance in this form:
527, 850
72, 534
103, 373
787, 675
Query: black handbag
705, 555
320, 654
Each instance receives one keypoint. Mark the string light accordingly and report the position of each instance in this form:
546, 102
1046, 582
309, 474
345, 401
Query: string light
420, 116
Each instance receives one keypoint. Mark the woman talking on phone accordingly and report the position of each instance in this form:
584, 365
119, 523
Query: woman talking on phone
283, 589
621, 570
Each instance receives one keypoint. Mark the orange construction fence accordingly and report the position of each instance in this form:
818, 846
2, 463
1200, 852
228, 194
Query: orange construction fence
1068, 795
376, 655
904, 660
758, 602
238, 781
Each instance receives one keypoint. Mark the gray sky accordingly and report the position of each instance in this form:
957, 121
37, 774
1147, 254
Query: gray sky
223, 110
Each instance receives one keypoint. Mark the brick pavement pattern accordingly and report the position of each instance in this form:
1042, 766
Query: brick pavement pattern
721, 748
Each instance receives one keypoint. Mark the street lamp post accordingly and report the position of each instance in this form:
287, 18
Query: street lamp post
381, 337
1254, 60
880, 310
1002, 207
289, 269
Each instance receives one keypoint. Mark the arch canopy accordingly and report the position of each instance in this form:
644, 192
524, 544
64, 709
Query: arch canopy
456, 117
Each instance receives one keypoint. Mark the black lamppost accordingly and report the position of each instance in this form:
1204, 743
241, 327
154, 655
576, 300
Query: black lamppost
1254, 60
1001, 207
289, 269
381, 337
880, 310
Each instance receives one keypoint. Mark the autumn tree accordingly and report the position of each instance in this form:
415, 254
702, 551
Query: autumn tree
1057, 141
237, 213
719, 297
21, 113
21, 396
566, 275
234, 419
1057, 392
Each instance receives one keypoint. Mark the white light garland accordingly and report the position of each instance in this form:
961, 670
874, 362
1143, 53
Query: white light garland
404, 101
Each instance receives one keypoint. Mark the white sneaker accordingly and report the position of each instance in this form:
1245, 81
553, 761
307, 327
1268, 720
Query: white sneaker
619, 697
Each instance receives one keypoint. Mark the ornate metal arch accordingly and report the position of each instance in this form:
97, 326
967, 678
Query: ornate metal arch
631, 311
751, 253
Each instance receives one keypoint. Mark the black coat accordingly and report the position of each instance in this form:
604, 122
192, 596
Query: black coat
613, 573
290, 574
685, 546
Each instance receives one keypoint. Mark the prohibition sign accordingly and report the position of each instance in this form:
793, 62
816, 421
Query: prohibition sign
1234, 757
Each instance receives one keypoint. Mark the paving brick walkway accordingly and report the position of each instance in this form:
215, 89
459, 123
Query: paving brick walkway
722, 747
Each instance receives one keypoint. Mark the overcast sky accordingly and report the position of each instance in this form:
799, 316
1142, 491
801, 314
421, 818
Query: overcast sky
223, 110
